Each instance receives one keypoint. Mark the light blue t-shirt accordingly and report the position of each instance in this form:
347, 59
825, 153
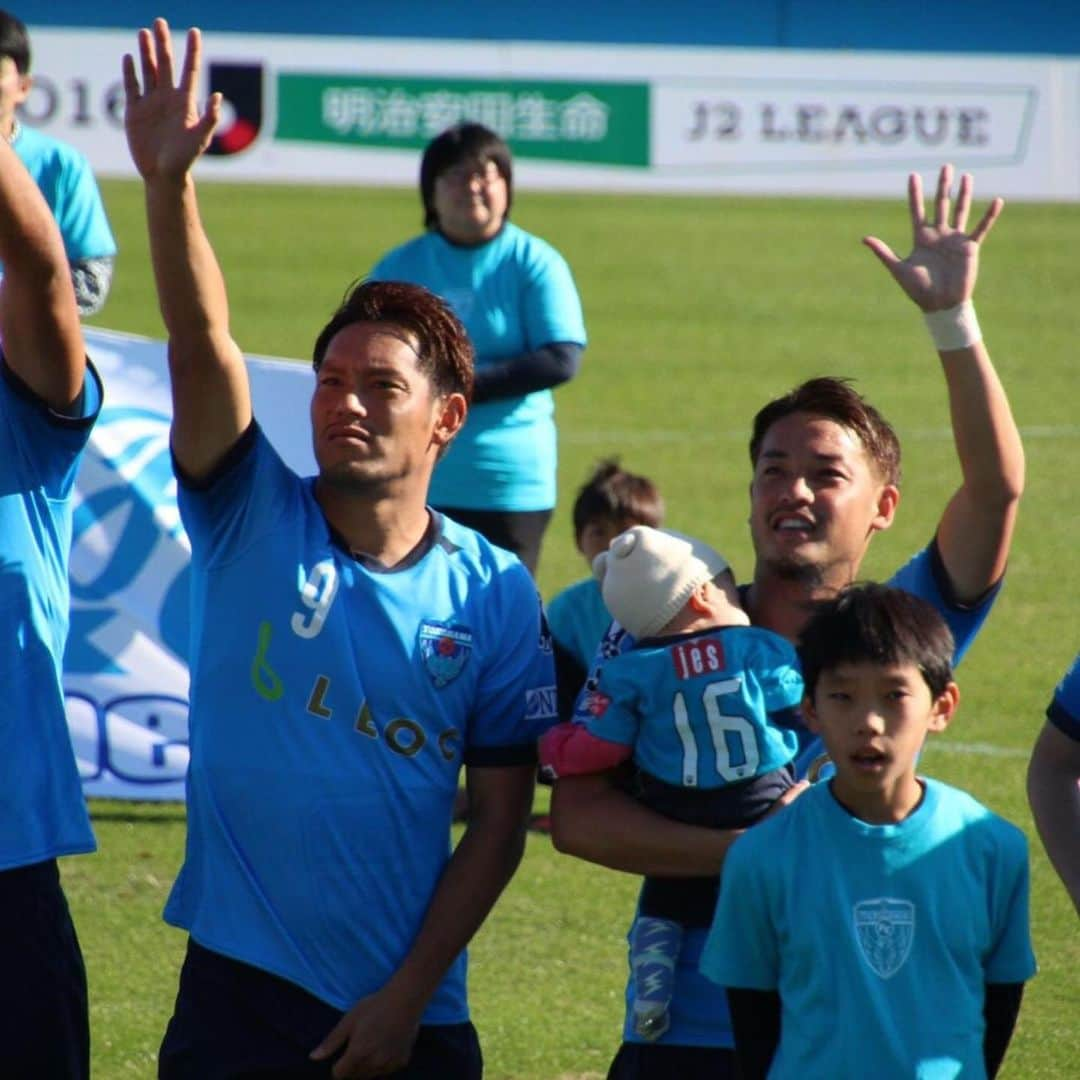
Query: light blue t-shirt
699, 1013
696, 708
880, 939
514, 294
578, 618
42, 810
69, 187
1064, 710
332, 707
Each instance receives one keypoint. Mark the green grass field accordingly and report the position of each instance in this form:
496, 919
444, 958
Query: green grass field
698, 310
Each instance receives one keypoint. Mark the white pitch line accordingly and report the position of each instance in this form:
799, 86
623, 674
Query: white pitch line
980, 748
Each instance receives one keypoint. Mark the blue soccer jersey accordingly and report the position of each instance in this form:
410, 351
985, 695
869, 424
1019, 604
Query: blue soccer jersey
69, 187
696, 708
332, 707
514, 294
578, 618
699, 1013
1064, 710
896, 929
42, 810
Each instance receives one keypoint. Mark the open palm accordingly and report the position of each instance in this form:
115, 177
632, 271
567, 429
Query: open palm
943, 265
165, 131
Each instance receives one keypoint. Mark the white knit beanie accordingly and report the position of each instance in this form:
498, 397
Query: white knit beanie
647, 575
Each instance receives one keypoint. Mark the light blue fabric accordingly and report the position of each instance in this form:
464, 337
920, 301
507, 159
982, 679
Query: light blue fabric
514, 294
880, 939
69, 187
1064, 710
699, 1013
42, 810
578, 618
332, 707
696, 708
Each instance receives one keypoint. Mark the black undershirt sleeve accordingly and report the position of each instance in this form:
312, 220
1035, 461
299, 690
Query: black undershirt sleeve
540, 369
1001, 1007
755, 1020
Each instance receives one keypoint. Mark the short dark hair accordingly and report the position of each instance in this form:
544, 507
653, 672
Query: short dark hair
463, 144
835, 399
15, 41
444, 351
877, 624
613, 494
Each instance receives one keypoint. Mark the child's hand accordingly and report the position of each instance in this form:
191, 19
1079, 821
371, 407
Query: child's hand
788, 797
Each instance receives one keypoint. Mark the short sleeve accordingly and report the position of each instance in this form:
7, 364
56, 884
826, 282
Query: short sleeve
1010, 959
80, 213
516, 699
615, 715
552, 305
742, 947
779, 673
1064, 709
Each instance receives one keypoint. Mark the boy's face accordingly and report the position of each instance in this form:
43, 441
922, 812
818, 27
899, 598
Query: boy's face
874, 719
597, 535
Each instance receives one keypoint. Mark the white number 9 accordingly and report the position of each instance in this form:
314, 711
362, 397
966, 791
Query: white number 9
316, 594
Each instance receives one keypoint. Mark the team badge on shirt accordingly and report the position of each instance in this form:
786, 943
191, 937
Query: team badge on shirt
884, 929
445, 649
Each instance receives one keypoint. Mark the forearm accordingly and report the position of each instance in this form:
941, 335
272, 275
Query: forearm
1000, 1009
190, 285
38, 317
755, 1022
594, 820
976, 531
478, 870
570, 749
540, 369
1053, 789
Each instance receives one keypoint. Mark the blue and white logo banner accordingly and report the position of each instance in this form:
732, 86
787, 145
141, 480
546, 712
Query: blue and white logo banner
125, 668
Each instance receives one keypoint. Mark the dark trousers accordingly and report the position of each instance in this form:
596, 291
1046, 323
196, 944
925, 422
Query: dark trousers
237, 1022
519, 531
655, 1061
44, 1028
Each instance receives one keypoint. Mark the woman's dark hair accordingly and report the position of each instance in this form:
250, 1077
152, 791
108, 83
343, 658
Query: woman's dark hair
877, 624
468, 144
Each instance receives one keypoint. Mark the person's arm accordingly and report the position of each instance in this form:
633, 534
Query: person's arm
166, 135
1053, 789
377, 1034
1001, 1006
543, 368
755, 1023
39, 322
976, 529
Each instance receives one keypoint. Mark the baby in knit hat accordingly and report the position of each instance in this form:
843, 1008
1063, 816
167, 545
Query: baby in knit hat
703, 704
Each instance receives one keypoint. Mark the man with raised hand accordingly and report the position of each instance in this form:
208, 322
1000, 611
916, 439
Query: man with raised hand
49, 399
826, 471
350, 650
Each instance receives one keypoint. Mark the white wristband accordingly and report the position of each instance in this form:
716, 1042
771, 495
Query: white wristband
954, 328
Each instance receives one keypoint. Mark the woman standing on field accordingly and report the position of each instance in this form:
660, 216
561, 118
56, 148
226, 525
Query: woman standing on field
516, 296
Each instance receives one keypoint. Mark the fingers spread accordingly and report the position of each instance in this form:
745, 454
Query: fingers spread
993, 212
189, 74
131, 83
148, 61
164, 49
881, 250
915, 199
963, 203
941, 199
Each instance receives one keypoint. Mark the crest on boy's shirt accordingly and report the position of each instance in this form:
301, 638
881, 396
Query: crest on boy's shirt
545, 644
445, 649
596, 703
885, 930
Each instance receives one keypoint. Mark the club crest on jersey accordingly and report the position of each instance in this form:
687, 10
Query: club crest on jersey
885, 930
445, 649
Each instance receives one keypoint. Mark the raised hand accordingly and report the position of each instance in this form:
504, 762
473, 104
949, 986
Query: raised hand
165, 131
941, 270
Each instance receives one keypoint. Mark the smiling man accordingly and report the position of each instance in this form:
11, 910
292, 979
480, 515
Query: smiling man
825, 482
351, 649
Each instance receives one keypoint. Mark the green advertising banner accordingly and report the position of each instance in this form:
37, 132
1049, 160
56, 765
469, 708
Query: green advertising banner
598, 123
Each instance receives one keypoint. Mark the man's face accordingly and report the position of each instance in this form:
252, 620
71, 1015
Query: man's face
14, 89
815, 501
375, 418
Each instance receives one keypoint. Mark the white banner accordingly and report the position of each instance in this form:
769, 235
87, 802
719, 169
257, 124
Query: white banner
125, 669
634, 118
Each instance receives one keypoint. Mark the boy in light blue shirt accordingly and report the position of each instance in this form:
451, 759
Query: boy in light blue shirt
893, 901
